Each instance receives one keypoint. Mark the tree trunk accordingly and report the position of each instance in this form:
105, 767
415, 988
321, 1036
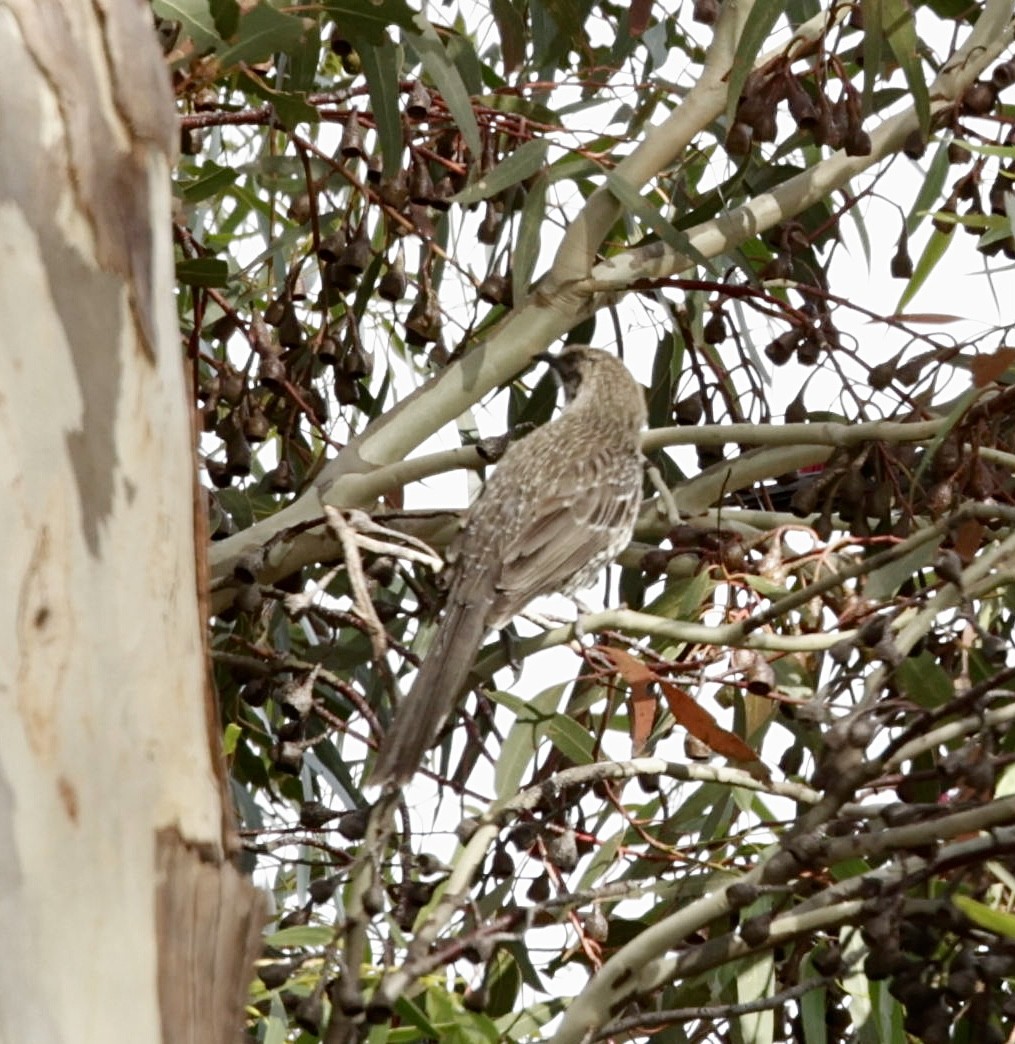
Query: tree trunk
120, 911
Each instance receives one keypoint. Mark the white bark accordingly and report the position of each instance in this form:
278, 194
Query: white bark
108, 746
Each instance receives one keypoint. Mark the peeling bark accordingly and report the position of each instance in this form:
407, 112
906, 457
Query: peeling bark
119, 906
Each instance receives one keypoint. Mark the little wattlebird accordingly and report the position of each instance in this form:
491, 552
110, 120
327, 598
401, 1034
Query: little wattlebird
560, 506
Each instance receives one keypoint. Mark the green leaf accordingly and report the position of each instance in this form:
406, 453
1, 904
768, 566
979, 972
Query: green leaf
263, 32
930, 190
755, 981
1003, 151
370, 18
291, 109
381, 64
304, 59
766, 586
925, 681
195, 17
682, 599
532, 717
1000, 922
757, 30
959, 10
503, 984
568, 16
628, 196
519, 106
813, 1010
511, 26
884, 582
860, 227
932, 253
900, 30
954, 415
448, 81
230, 736
211, 179
226, 15
301, 935
203, 271
602, 859
521, 164
527, 244
276, 1029
462, 52
873, 39
412, 1014
571, 739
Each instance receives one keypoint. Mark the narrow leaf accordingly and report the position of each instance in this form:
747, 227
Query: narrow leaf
370, 18
813, 1010
923, 318
932, 253
448, 81
301, 935
203, 271
688, 712
700, 724
262, 32
511, 27
304, 59
571, 739
643, 718
275, 1033
523, 738
527, 244
290, 108
197, 21
462, 52
930, 190
757, 30
381, 63
525, 161
210, 181
1000, 922
756, 980
226, 15
638, 20
230, 737
900, 30
873, 41
628, 196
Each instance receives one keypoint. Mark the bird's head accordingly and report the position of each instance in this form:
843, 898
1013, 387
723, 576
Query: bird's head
580, 366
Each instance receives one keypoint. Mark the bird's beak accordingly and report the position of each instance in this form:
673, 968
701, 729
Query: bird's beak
552, 361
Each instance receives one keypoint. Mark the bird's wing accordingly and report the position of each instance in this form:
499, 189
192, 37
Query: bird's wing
570, 526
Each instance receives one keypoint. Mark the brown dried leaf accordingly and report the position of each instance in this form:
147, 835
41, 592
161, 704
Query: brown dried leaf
926, 318
701, 724
968, 538
638, 18
698, 722
988, 368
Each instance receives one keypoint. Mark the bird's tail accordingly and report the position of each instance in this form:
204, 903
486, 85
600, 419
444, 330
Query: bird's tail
433, 695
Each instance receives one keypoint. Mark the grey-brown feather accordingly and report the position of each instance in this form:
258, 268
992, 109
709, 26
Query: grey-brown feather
560, 506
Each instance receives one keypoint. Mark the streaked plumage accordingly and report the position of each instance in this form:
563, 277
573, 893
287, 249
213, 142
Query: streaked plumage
560, 506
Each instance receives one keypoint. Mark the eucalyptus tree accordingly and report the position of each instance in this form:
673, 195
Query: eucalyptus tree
765, 795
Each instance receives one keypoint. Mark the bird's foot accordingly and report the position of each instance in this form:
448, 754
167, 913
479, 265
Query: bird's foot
509, 643
666, 504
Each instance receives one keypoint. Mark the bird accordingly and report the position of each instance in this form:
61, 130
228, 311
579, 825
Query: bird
559, 507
